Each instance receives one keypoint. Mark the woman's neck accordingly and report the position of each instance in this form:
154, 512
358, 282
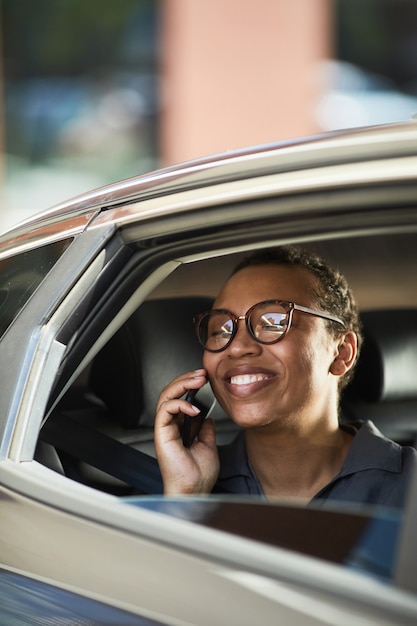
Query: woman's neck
290, 464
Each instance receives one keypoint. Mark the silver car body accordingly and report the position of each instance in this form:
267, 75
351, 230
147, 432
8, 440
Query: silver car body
152, 565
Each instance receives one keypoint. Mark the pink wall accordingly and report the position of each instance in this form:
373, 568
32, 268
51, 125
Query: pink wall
239, 72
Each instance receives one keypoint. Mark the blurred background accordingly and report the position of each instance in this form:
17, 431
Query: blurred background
95, 91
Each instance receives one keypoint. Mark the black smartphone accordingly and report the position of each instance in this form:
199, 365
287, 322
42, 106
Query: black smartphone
191, 425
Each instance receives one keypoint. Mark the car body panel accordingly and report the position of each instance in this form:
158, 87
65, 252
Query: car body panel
127, 238
28, 601
99, 552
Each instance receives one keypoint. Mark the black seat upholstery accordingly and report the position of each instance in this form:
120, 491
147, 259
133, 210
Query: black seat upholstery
154, 346
384, 388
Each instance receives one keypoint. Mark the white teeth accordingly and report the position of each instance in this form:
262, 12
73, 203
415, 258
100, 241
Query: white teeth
246, 379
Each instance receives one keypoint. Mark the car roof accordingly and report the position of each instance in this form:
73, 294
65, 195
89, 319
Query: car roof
348, 146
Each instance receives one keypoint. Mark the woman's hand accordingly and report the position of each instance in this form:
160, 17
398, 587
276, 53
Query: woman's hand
190, 470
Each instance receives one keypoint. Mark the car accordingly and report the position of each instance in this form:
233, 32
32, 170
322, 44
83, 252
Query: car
97, 297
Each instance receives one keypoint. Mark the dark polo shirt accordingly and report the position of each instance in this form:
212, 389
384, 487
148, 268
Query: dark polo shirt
376, 470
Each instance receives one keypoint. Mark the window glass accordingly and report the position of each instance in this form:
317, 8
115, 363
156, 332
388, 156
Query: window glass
364, 540
20, 276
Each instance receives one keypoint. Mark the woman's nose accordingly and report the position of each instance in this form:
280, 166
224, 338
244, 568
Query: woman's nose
243, 342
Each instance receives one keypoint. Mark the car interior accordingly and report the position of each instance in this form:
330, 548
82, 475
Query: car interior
101, 432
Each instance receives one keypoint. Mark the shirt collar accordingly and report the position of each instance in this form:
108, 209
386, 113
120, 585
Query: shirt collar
370, 450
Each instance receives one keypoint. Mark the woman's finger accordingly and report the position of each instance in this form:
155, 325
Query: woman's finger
180, 385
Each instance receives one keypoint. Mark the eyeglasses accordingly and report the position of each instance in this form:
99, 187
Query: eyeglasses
267, 322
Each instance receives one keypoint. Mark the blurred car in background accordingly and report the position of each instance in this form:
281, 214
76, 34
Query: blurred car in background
96, 302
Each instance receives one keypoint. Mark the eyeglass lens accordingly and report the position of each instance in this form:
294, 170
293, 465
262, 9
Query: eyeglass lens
267, 323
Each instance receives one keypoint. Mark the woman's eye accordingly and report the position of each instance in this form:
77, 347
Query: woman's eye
273, 327
221, 332
224, 332
270, 322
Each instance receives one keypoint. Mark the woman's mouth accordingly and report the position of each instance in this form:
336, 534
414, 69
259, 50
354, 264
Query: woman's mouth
247, 379
247, 383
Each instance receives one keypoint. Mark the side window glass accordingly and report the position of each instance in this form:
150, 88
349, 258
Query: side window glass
20, 275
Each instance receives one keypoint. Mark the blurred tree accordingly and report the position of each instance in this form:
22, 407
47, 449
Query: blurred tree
380, 36
67, 37
81, 80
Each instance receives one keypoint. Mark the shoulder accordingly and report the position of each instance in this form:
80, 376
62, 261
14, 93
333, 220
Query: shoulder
376, 470
370, 449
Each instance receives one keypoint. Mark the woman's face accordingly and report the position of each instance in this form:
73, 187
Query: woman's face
288, 382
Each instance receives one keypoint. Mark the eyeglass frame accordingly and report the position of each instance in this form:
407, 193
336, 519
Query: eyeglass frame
235, 318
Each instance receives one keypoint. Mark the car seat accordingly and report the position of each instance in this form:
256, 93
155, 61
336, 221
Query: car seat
156, 344
384, 387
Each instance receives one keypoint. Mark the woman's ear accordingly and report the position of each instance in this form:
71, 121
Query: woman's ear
347, 350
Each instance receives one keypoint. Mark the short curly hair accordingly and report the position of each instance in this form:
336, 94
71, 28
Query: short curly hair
333, 295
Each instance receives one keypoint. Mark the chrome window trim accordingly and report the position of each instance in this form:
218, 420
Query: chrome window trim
279, 185
30, 235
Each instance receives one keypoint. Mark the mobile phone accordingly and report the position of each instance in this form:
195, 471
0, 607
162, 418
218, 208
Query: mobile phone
191, 425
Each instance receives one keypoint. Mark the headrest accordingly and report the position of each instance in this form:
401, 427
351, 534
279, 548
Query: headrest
154, 346
387, 367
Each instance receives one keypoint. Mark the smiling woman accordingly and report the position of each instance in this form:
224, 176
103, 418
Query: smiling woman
283, 392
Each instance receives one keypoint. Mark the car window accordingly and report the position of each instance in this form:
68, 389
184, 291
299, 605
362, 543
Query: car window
20, 275
363, 539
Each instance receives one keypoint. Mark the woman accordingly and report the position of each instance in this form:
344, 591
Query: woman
281, 341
